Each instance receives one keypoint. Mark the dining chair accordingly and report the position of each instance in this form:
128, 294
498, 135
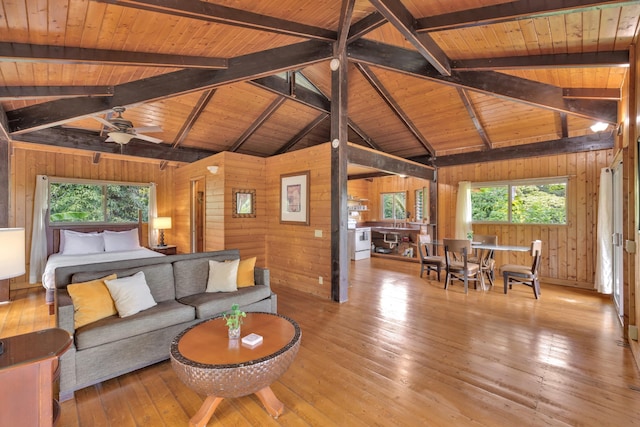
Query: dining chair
428, 261
457, 265
514, 274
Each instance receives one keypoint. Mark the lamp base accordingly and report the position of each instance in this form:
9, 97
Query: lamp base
161, 244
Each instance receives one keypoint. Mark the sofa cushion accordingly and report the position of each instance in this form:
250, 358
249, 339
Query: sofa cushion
246, 272
131, 294
159, 278
166, 313
222, 276
190, 275
91, 301
209, 304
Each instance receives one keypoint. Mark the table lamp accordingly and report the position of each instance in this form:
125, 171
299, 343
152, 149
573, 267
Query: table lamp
11, 261
162, 223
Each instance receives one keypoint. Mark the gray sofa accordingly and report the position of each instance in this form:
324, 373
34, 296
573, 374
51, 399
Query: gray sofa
113, 346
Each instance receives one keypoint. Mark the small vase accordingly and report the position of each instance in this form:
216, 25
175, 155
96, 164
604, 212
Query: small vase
234, 333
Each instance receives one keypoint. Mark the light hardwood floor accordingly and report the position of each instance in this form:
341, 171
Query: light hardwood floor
402, 352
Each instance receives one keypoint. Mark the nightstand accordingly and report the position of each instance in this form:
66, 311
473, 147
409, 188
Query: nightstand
167, 250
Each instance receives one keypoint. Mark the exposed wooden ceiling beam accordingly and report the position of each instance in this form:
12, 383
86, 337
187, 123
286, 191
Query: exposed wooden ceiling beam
197, 109
23, 52
511, 11
618, 58
210, 12
368, 175
36, 92
393, 105
592, 93
346, 14
492, 83
366, 25
468, 104
303, 95
390, 164
547, 148
268, 112
400, 17
308, 97
304, 132
85, 140
564, 126
241, 68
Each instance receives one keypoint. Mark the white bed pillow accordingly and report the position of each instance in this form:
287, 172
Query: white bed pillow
82, 243
223, 276
121, 240
130, 294
64, 233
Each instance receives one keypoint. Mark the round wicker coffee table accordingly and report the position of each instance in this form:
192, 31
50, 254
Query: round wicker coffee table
208, 362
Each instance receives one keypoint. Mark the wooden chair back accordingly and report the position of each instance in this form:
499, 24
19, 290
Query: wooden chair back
536, 253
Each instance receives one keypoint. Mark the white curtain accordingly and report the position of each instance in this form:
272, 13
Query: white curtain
604, 258
463, 210
152, 214
38, 258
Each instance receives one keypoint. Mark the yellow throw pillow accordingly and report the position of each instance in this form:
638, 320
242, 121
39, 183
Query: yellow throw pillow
245, 272
91, 301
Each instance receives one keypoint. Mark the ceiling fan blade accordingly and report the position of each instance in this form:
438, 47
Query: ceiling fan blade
104, 122
147, 129
148, 138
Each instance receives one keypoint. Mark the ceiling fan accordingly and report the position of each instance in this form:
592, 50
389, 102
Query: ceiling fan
121, 130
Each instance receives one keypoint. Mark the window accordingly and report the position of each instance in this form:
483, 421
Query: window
536, 201
420, 203
73, 201
394, 205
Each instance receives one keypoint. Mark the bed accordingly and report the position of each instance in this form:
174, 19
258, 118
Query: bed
81, 245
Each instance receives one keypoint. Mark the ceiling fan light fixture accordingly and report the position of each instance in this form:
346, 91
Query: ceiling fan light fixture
120, 137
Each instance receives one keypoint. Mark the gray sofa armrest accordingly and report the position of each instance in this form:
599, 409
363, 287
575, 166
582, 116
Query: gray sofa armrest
65, 311
262, 276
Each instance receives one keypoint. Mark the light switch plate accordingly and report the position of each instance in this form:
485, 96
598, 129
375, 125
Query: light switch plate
318, 233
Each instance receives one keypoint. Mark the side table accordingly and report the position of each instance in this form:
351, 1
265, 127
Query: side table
29, 373
167, 249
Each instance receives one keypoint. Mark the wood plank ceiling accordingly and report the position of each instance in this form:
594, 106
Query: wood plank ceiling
437, 81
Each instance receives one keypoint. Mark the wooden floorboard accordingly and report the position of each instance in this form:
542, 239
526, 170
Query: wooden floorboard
402, 351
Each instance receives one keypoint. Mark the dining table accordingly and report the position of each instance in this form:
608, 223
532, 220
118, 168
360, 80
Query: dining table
488, 247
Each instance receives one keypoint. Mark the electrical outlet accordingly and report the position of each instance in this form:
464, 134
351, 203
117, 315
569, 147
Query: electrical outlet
320, 281
318, 233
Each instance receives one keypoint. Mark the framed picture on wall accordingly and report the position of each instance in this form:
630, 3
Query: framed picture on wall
244, 203
294, 198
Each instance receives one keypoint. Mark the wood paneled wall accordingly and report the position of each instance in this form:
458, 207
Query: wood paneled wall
296, 257
361, 189
29, 160
391, 184
222, 230
568, 251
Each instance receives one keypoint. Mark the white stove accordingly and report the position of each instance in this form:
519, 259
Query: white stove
360, 243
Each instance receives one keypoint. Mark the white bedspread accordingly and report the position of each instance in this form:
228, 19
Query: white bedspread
58, 260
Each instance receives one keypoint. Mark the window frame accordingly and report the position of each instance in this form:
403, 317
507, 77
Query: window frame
93, 182
382, 213
510, 184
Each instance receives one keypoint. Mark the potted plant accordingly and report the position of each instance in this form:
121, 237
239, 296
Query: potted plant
234, 320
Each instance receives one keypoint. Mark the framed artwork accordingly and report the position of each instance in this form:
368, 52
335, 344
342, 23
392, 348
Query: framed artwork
294, 198
244, 203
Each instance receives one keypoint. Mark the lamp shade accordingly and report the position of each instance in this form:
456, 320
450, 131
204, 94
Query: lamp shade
11, 252
162, 223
